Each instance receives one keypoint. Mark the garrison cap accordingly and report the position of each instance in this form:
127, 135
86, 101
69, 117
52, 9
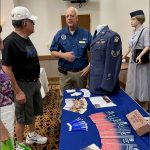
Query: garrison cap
136, 13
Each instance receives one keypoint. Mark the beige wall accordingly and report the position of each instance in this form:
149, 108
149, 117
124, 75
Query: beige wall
5, 18
49, 22
50, 67
115, 13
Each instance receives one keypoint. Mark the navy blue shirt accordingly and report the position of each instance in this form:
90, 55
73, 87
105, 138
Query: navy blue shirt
78, 42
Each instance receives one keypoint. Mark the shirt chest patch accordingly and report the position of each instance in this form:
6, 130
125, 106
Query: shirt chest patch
63, 37
115, 53
116, 39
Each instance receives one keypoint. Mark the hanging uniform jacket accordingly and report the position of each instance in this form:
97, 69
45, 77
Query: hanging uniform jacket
106, 59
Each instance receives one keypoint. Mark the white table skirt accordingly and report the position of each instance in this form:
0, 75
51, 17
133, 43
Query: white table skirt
44, 82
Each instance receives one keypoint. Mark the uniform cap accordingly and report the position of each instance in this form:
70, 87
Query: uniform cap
19, 13
136, 13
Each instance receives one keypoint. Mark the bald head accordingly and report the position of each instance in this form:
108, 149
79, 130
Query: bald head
71, 18
73, 10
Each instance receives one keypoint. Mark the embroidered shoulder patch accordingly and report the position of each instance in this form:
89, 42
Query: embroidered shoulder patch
116, 39
115, 53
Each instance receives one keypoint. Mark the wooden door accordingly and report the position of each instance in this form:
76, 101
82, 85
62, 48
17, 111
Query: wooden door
83, 21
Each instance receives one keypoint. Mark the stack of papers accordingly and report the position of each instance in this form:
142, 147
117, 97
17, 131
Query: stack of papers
114, 132
73, 92
101, 101
77, 125
70, 90
78, 105
86, 92
91, 147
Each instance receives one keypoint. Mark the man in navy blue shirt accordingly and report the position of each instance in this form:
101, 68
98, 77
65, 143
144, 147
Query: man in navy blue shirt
70, 45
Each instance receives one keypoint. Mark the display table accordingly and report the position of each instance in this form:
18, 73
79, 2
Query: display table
77, 140
44, 82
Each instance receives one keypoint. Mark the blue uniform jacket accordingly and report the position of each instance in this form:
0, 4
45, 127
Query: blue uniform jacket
106, 59
78, 42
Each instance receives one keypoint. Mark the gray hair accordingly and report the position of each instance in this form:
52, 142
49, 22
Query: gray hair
73, 9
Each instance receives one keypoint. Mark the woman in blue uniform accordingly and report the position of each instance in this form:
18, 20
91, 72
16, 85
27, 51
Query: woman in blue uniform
138, 77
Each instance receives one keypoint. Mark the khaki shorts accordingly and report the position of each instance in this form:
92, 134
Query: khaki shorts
72, 80
33, 106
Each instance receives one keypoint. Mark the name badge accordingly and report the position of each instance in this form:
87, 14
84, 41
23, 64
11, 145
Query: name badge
81, 42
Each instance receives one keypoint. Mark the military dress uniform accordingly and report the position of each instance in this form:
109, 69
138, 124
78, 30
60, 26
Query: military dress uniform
106, 59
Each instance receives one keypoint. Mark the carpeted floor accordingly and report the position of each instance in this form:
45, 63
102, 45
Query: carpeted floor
48, 124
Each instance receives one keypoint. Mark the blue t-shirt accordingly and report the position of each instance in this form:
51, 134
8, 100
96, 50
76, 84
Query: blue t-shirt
78, 42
